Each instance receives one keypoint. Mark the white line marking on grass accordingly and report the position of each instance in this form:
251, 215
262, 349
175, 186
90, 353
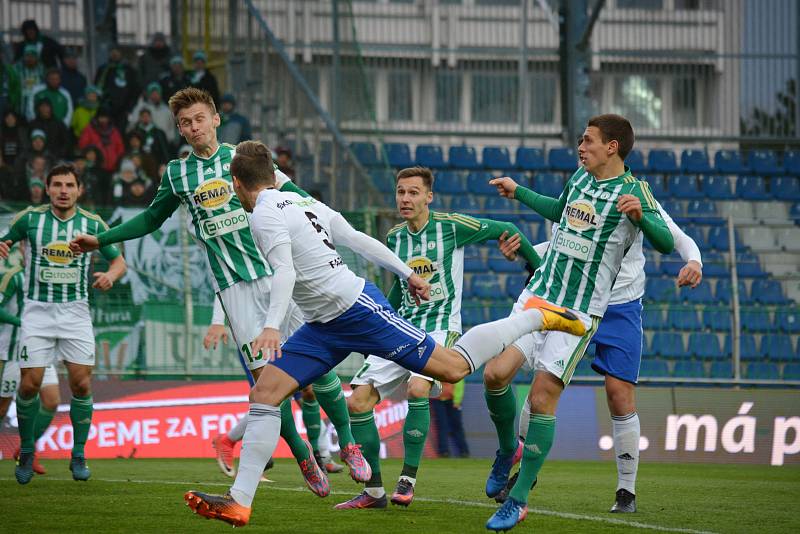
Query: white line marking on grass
474, 504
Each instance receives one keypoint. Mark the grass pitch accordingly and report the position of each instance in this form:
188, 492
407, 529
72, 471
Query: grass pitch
139, 496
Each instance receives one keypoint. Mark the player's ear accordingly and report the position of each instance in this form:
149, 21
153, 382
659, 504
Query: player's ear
613, 147
429, 198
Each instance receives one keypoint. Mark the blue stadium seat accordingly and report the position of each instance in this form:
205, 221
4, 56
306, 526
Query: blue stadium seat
499, 264
717, 187
791, 371
486, 286
699, 237
497, 158
718, 238
777, 347
654, 369
463, 157
695, 161
635, 161
705, 345
383, 180
756, 320
724, 294
788, 320
768, 292
450, 183
474, 264
658, 186
721, 370
662, 161
430, 156
689, 369
473, 313
466, 204
714, 264
530, 159
365, 153
748, 265
675, 210
684, 186
499, 311
791, 162
660, 290
764, 162
671, 265
652, 318
399, 155
794, 212
751, 187
548, 184
703, 212
730, 162
682, 318
669, 344
786, 188
478, 183
515, 284
717, 320
562, 159
502, 209
762, 371
699, 295
747, 345
651, 268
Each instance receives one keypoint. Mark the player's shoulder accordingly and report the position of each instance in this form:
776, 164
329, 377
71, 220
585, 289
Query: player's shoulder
228, 147
394, 230
458, 219
30, 209
90, 215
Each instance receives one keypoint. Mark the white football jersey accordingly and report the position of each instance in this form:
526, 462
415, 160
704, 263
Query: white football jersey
324, 286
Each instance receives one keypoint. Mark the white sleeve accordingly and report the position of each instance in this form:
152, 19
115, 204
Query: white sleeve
283, 278
371, 249
541, 248
218, 315
684, 245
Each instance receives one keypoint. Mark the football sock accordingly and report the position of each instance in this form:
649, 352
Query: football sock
312, 421
258, 444
328, 389
80, 413
323, 442
290, 434
524, 418
502, 406
541, 431
485, 341
43, 420
27, 410
366, 434
626, 449
237, 432
415, 431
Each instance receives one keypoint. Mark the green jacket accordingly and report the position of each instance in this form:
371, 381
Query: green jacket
10, 87
59, 99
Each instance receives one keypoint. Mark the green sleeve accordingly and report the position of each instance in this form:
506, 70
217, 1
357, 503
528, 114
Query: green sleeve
489, 230
548, 207
291, 187
6, 317
395, 296
19, 228
653, 226
164, 204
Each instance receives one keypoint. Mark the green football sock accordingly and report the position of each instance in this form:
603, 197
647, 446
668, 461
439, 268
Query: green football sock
541, 431
27, 409
415, 431
503, 409
367, 436
80, 413
312, 421
43, 420
289, 433
328, 389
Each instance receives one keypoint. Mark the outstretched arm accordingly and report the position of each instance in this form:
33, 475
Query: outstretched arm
548, 207
368, 247
495, 229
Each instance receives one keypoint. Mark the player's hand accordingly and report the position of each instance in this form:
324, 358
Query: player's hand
691, 274
5, 248
505, 186
84, 243
268, 343
215, 333
420, 289
102, 281
631, 206
509, 245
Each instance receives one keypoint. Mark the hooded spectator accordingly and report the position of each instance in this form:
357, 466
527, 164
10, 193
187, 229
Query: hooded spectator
36, 177
201, 78
119, 83
30, 73
175, 80
48, 50
234, 128
154, 139
59, 97
159, 112
154, 63
96, 180
10, 88
71, 78
86, 110
13, 137
102, 133
24, 166
144, 160
128, 173
59, 137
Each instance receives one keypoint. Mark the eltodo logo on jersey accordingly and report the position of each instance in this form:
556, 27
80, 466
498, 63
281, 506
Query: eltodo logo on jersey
213, 194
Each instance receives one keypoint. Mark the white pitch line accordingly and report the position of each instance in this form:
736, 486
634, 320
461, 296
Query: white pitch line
474, 504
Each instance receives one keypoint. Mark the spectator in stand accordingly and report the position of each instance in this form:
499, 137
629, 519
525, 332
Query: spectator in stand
175, 80
71, 78
8, 181
201, 78
32, 179
102, 133
284, 161
10, 88
30, 73
138, 193
38, 149
159, 112
122, 180
48, 50
144, 161
154, 139
233, 128
118, 82
86, 110
36, 191
154, 62
59, 137
96, 180
13, 136
449, 425
59, 98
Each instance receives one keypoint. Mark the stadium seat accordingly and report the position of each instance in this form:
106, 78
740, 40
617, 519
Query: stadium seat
651, 268
562, 159
705, 345
718, 238
724, 294
635, 161
768, 292
794, 212
652, 318
777, 347
714, 264
530, 159
653, 369
703, 212
450, 183
671, 265
695, 161
669, 344
785, 188
699, 237
466, 204
548, 184
486, 286
689, 369
430, 156
398, 155
717, 320
684, 186
762, 371
674, 208
662, 161
764, 162
473, 313
749, 266
717, 187
756, 320
699, 295
791, 371
791, 162
502, 209
463, 157
515, 284
729, 162
788, 320
496, 158
498, 311
474, 264
498, 264
383, 180
658, 186
747, 346
365, 153
721, 370
478, 183
682, 318
751, 187
660, 290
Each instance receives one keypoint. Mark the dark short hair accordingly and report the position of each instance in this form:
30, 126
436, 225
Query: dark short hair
61, 169
615, 128
252, 165
423, 172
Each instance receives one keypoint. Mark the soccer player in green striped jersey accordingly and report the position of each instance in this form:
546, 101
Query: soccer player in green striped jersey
599, 214
56, 321
241, 276
432, 244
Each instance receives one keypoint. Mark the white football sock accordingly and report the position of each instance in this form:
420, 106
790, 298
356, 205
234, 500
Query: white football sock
260, 440
323, 443
626, 449
525, 419
237, 432
485, 341
375, 493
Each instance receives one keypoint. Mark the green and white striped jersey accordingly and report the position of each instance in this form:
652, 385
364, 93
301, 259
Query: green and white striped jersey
12, 292
436, 253
53, 274
586, 250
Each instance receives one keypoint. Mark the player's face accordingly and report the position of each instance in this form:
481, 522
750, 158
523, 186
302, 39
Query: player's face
412, 197
63, 191
198, 125
593, 153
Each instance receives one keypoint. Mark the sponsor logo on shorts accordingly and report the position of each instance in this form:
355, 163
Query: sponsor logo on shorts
213, 194
572, 245
57, 252
398, 350
50, 275
581, 215
224, 223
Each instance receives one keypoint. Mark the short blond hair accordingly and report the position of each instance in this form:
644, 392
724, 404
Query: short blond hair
188, 97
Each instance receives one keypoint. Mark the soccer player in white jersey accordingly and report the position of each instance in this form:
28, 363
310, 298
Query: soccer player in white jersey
242, 278
432, 243
56, 321
599, 214
343, 313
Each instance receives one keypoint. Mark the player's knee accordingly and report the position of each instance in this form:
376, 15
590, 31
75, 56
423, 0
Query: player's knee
81, 387
418, 389
360, 401
493, 376
308, 394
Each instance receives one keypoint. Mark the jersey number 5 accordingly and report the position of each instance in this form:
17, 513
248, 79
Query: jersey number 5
318, 227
